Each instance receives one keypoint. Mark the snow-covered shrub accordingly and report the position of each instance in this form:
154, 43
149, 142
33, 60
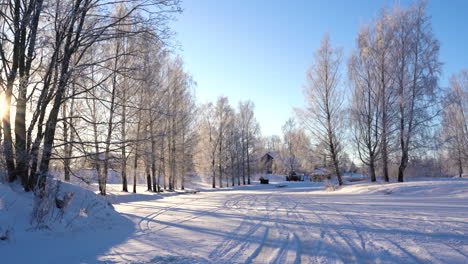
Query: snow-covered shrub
331, 186
45, 208
66, 206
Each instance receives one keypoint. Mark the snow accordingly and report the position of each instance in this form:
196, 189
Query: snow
353, 177
321, 171
88, 227
421, 221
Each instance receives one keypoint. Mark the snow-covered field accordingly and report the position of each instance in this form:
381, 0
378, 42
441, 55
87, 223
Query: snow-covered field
424, 221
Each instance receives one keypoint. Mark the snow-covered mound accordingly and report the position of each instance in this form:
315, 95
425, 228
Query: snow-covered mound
84, 211
414, 187
86, 222
464, 175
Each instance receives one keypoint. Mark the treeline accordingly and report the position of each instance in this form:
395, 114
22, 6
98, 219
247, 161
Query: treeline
396, 113
229, 140
296, 150
397, 104
94, 86
93, 82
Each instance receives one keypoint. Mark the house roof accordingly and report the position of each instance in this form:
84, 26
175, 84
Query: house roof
272, 155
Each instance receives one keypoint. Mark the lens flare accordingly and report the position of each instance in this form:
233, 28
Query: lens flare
3, 105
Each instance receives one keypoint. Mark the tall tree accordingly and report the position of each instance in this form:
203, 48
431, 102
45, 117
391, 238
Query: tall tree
222, 119
366, 110
417, 68
323, 115
455, 120
19, 32
249, 131
381, 46
290, 146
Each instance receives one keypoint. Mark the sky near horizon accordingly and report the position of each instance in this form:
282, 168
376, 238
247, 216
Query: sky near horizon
260, 50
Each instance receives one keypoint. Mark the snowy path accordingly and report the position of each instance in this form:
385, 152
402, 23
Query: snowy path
296, 224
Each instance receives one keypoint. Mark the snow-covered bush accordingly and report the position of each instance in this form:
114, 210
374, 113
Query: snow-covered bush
331, 186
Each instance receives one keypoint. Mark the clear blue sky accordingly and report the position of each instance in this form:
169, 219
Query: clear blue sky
260, 50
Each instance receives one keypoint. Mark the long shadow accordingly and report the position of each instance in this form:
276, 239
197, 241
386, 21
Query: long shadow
329, 252
402, 232
88, 247
118, 198
276, 186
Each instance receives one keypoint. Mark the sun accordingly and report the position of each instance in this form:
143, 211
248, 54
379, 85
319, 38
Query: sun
3, 105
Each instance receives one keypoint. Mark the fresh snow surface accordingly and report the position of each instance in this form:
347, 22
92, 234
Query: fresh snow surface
421, 221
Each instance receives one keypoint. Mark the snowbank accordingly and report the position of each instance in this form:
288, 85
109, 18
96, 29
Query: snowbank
456, 188
86, 223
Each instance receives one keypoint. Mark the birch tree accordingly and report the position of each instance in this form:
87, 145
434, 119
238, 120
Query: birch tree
366, 111
222, 119
249, 130
455, 122
289, 146
416, 73
208, 143
323, 115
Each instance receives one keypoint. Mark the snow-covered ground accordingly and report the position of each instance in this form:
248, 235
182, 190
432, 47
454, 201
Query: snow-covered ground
423, 221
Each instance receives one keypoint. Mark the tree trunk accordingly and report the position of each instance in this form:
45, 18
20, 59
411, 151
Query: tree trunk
403, 164
460, 158
238, 170
153, 156
248, 160
148, 177
213, 183
384, 143
124, 143
172, 158
232, 169
336, 164
8, 140
135, 161
110, 124
220, 162
51, 124
135, 167
372, 170
66, 161
182, 174
243, 160
20, 133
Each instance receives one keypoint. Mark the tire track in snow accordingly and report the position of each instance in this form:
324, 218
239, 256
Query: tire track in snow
359, 254
146, 221
272, 243
411, 248
233, 247
185, 219
283, 244
326, 234
290, 252
257, 245
188, 218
